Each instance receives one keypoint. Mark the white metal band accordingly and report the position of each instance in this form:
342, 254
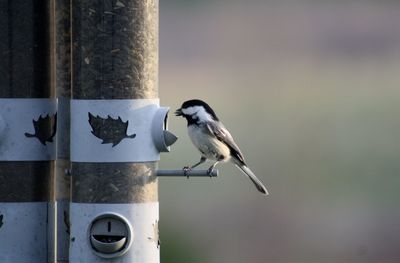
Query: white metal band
93, 144
142, 217
63, 128
24, 129
23, 232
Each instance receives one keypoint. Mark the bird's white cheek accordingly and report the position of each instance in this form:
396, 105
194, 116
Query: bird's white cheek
190, 110
197, 113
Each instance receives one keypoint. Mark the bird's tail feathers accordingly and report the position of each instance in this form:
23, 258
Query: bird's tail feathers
259, 185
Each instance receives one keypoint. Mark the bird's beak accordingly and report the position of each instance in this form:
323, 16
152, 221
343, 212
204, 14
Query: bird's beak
178, 112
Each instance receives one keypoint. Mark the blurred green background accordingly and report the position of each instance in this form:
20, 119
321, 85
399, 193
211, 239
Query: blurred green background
310, 91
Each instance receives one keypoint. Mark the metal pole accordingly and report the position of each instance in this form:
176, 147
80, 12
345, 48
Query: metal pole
26, 162
63, 92
115, 57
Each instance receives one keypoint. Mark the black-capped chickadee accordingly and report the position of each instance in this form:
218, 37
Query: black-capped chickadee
213, 140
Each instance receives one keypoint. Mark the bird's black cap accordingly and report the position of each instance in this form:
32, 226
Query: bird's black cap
196, 102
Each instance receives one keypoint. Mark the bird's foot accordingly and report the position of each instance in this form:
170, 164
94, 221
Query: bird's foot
210, 171
186, 171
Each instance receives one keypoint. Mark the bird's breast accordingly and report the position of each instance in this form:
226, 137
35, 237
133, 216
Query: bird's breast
207, 144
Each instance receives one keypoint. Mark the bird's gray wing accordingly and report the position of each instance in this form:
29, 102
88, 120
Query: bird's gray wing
218, 130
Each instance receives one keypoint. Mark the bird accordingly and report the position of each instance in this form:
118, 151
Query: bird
213, 140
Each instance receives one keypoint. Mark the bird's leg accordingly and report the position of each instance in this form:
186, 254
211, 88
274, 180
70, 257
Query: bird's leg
186, 169
211, 169
202, 160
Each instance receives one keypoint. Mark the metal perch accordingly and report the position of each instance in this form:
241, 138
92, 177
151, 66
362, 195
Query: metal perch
190, 173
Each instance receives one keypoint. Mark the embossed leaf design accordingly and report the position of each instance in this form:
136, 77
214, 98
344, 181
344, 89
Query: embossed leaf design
109, 130
45, 128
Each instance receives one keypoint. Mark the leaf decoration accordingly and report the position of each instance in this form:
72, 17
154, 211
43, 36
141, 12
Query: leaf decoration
109, 130
156, 237
45, 128
66, 222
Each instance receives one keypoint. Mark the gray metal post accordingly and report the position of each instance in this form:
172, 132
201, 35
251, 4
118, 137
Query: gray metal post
26, 166
115, 57
63, 92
